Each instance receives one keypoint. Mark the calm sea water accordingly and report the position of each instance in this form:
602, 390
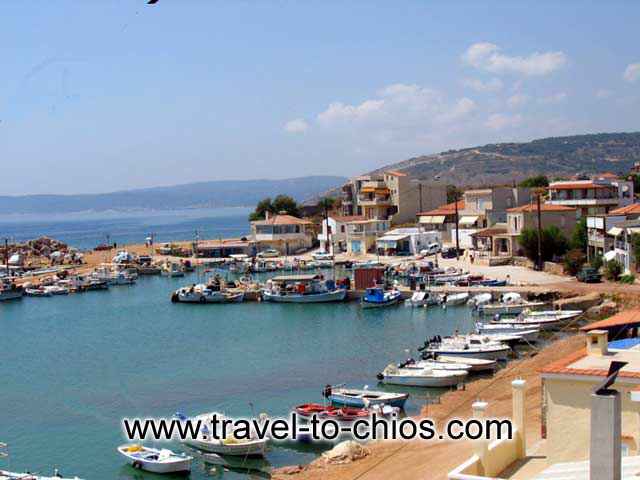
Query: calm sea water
72, 367
86, 230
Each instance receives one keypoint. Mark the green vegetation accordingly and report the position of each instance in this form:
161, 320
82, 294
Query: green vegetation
282, 203
535, 182
612, 270
326, 204
453, 193
579, 235
597, 262
629, 279
573, 261
553, 243
635, 246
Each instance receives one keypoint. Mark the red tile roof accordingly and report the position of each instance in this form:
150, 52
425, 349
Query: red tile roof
448, 209
627, 317
346, 218
395, 173
283, 220
626, 210
545, 207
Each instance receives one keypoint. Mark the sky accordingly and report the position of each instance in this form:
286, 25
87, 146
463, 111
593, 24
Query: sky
104, 95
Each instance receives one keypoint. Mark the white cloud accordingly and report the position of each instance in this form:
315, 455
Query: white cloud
298, 125
517, 100
493, 85
501, 121
559, 97
339, 111
632, 72
603, 93
487, 56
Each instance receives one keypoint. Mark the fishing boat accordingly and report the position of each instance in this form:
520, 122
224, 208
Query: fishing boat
201, 293
378, 297
302, 289
156, 460
10, 290
510, 304
549, 320
172, 269
422, 299
476, 364
204, 441
528, 333
354, 397
425, 377
454, 298
466, 346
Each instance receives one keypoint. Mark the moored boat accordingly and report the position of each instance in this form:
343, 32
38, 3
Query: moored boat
422, 299
467, 346
378, 297
425, 377
10, 290
172, 269
202, 293
302, 289
476, 364
510, 303
363, 397
156, 460
455, 298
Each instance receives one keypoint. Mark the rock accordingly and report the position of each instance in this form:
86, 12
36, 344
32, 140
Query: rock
289, 470
579, 303
605, 309
345, 452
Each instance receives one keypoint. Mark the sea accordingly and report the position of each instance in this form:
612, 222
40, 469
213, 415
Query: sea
72, 367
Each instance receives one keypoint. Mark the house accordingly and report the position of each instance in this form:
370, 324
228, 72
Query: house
590, 428
225, 247
599, 240
285, 233
621, 248
526, 216
599, 195
441, 219
390, 196
333, 238
406, 241
362, 235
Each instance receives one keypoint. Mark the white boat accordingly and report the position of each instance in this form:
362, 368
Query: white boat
302, 289
172, 269
422, 299
528, 333
480, 299
230, 446
422, 377
156, 460
455, 298
434, 365
7, 475
57, 290
510, 304
37, 292
362, 398
322, 256
465, 346
549, 320
477, 364
202, 293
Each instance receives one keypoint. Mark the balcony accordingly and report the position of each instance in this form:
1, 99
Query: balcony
574, 202
374, 200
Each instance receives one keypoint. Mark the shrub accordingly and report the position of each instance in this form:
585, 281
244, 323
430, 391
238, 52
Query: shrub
573, 261
612, 270
553, 243
579, 235
627, 279
596, 262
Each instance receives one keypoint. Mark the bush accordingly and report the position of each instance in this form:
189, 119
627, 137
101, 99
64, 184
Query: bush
627, 279
597, 262
579, 235
573, 261
553, 243
612, 270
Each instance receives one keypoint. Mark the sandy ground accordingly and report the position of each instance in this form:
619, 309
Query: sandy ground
433, 460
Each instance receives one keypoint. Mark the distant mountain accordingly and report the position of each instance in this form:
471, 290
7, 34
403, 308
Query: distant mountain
504, 163
224, 193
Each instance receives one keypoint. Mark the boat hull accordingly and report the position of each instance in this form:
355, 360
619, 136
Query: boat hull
253, 448
423, 381
472, 353
359, 400
8, 295
334, 296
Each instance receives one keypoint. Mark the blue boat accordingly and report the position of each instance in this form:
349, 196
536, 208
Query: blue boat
493, 283
377, 297
363, 398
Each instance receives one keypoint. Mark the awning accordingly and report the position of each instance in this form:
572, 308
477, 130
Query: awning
432, 219
633, 229
468, 220
614, 231
367, 189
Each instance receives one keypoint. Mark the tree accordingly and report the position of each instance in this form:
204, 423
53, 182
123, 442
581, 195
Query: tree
553, 243
326, 204
573, 261
612, 270
535, 182
282, 203
453, 193
635, 247
579, 236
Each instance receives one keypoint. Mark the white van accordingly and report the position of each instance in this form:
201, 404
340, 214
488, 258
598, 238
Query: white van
432, 249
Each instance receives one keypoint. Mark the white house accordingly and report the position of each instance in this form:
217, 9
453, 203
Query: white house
333, 238
406, 241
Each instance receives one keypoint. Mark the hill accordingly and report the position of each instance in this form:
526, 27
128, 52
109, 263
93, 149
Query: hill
504, 163
227, 193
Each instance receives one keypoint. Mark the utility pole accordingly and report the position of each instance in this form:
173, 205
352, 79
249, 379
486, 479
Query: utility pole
539, 232
420, 193
6, 256
457, 228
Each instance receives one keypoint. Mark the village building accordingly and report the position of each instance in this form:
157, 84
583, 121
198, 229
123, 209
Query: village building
526, 216
406, 241
390, 196
441, 219
605, 233
362, 235
285, 233
225, 247
599, 195
333, 237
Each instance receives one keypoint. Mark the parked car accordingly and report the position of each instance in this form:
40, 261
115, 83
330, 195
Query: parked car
589, 275
269, 253
432, 249
450, 252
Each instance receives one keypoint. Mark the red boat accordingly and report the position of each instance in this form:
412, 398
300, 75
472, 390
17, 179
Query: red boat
309, 409
348, 414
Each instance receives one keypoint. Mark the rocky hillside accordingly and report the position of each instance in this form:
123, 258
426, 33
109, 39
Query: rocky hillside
505, 163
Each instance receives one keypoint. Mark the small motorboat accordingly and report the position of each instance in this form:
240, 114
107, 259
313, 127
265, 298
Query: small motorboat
510, 303
156, 460
377, 297
476, 364
308, 410
544, 320
467, 346
6, 475
340, 414
37, 292
204, 441
421, 377
422, 299
363, 397
455, 298
205, 294
528, 333
57, 290
480, 299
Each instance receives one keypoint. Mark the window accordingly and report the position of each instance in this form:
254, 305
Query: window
342, 229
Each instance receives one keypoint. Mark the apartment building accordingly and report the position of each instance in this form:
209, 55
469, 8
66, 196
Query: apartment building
285, 233
390, 196
599, 195
362, 235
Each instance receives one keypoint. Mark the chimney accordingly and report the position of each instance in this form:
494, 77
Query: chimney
597, 343
267, 214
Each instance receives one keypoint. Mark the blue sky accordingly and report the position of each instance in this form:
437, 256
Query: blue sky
99, 95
